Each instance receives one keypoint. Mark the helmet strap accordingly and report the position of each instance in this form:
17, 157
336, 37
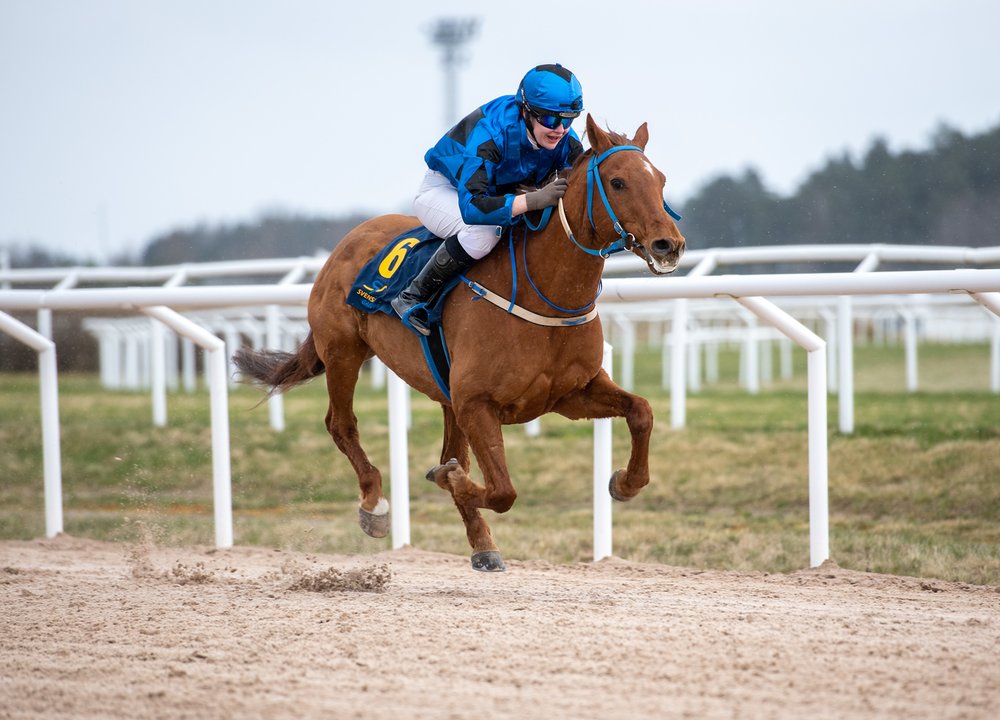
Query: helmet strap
526, 116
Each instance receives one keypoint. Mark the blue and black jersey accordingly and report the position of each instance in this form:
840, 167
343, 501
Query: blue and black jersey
488, 153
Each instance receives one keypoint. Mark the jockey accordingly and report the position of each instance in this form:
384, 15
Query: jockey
468, 192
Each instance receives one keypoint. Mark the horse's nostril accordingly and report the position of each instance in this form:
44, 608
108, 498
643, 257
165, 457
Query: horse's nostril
664, 247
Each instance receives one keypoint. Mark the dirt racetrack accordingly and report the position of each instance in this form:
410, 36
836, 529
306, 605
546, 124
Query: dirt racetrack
91, 629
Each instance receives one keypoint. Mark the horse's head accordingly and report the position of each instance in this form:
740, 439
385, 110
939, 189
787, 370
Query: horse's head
630, 208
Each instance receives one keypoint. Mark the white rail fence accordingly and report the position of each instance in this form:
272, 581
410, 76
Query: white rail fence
911, 319
683, 344
163, 304
868, 259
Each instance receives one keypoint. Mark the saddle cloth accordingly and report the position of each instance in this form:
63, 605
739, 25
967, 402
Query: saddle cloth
388, 273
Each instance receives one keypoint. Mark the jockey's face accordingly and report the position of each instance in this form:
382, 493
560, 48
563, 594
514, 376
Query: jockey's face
546, 137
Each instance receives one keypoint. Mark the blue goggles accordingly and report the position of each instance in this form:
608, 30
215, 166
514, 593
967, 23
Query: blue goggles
552, 121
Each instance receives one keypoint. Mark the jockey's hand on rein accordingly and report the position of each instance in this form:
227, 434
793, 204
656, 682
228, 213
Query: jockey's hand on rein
546, 196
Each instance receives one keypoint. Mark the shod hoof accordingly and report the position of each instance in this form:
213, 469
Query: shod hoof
488, 561
613, 492
375, 524
449, 466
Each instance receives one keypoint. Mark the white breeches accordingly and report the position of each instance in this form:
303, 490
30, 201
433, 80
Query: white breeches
436, 206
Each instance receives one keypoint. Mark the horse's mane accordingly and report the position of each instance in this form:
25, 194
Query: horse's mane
616, 139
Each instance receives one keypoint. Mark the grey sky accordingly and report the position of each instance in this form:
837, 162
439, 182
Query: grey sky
122, 119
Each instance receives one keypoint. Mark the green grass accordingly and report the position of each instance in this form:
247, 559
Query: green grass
915, 490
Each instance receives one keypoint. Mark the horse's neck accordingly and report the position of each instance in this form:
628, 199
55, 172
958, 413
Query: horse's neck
563, 273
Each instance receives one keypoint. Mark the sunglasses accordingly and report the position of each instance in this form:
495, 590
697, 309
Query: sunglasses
550, 121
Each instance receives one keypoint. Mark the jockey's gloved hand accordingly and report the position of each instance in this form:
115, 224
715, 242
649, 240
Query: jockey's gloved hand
546, 196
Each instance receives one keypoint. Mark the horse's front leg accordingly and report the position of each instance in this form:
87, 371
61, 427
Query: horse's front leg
456, 444
453, 475
478, 422
602, 398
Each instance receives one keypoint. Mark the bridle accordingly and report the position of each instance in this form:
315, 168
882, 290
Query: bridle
626, 240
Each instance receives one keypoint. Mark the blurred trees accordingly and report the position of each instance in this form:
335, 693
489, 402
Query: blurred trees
946, 195
269, 236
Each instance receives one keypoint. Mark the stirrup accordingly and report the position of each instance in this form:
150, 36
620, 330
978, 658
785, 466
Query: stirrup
417, 322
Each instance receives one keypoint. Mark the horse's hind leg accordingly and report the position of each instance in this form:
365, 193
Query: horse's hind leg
602, 398
341, 378
453, 475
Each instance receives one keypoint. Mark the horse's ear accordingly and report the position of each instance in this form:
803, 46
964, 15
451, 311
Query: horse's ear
599, 140
641, 137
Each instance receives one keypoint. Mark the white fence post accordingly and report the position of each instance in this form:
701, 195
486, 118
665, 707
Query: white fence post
188, 365
819, 494
399, 462
785, 354
845, 346
602, 474
627, 331
832, 349
694, 360
678, 371
712, 362
751, 357
678, 350
819, 513
49, 391
910, 344
158, 371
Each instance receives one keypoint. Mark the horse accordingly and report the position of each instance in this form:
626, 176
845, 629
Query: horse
505, 369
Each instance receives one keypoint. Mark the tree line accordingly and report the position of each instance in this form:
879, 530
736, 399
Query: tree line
948, 194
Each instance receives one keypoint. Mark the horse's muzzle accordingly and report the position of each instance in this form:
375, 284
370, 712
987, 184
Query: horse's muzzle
665, 253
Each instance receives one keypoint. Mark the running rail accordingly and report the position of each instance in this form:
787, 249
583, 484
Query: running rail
163, 302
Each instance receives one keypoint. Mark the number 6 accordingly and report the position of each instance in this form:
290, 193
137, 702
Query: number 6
391, 262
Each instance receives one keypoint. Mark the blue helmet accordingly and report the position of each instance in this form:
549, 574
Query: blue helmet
551, 89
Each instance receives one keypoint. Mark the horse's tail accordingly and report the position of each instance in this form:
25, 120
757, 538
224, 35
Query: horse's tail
280, 371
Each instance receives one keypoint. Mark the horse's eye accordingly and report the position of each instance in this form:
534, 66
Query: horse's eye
618, 184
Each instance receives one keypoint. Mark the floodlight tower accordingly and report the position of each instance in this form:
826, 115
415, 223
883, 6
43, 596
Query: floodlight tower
450, 34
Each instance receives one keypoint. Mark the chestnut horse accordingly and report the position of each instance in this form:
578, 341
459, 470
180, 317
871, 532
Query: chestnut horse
504, 369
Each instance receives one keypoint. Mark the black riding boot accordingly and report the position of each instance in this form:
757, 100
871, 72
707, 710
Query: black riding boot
447, 261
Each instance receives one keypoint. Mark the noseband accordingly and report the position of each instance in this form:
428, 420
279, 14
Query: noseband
626, 240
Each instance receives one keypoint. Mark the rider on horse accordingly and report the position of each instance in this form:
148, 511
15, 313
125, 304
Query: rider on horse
468, 194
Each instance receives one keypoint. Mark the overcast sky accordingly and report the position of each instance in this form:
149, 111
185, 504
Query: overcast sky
123, 119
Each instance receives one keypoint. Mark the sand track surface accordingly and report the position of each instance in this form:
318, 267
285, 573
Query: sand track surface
92, 629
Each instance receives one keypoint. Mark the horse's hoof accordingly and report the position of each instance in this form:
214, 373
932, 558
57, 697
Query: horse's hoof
447, 467
376, 523
611, 488
488, 561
